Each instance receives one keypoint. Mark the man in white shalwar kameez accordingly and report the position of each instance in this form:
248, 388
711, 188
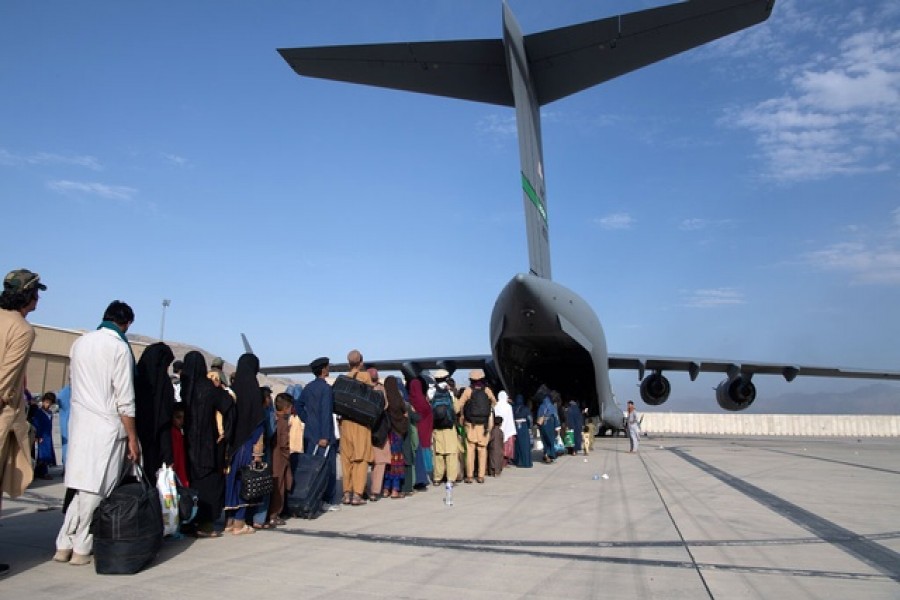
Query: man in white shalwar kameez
101, 427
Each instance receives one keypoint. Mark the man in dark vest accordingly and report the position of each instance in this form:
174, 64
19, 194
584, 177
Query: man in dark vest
476, 406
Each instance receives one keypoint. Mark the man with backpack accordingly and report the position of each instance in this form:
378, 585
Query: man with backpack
444, 408
476, 406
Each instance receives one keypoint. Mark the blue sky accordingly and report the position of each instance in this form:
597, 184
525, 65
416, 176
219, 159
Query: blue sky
739, 201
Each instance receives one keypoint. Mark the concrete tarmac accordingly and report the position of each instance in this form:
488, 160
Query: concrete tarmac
686, 517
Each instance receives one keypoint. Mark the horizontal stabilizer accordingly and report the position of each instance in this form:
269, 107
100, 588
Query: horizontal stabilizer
561, 61
570, 59
466, 69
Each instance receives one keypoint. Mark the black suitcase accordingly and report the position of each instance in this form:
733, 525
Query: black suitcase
357, 401
127, 527
310, 482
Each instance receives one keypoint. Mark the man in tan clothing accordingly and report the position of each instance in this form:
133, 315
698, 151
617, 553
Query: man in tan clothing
356, 442
476, 406
19, 297
445, 443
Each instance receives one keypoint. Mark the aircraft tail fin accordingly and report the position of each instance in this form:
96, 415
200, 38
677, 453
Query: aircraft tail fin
529, 71
246, 342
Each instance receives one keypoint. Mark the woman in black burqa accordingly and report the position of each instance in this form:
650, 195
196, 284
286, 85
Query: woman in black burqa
154, 400
205, 450
245, 445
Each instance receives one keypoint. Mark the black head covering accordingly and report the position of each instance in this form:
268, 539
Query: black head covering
193, 376
396, 406
154, 400
249, 400
201, 399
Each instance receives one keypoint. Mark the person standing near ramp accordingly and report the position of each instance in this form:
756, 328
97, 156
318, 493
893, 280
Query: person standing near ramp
633, 426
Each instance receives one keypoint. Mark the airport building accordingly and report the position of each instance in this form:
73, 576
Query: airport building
48, 364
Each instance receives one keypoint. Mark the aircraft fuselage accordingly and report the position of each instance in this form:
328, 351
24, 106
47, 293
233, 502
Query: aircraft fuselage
544, 333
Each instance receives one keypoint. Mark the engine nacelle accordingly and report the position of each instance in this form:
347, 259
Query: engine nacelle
655, 389
736, 394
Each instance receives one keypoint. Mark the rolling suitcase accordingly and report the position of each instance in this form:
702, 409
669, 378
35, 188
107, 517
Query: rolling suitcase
310, 483
357, 401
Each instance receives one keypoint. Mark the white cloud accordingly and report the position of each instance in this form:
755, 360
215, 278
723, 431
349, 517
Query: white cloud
112, 192
864, 264
176, 160
696, 224
870, 259
43, 158
840, 114
616, 221
498, 125
711, 298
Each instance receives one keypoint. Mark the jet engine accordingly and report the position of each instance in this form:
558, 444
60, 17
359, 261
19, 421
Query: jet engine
655, 389
736, 393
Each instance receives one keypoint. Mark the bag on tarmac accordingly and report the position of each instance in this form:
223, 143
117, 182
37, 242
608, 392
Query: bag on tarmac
357, 401
168, 498
478, 407
442, 410
310, 483
127, 527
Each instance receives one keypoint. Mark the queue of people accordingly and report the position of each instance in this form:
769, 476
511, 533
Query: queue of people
210, 428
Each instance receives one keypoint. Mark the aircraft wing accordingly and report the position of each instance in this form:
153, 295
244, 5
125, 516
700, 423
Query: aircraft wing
416, 365
695, 366
562, 61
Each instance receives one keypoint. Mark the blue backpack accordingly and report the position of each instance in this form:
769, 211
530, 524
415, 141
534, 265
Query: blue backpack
442, 410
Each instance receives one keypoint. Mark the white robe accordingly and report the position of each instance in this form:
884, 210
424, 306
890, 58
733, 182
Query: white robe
102, 389
504, 409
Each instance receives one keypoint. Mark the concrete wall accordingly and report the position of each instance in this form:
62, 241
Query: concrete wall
801, 425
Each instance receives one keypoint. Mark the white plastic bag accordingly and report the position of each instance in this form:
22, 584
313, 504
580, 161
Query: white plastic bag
168, 498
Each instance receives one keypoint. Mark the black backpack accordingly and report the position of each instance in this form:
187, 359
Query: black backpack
478, 407
442, 410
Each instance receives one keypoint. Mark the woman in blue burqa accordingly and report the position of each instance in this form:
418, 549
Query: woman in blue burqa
522, 417
575, 422
246, 443
547, 420
205, 451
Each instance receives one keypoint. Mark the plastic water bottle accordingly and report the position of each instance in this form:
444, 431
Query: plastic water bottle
448, 494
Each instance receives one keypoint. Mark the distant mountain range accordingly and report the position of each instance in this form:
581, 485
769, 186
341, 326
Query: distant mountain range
871, 399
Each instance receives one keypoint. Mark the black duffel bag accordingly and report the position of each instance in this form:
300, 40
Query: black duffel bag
127, 527
357, 401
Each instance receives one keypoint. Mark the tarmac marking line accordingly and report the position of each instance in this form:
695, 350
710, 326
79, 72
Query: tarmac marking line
875, 555
514, 547
833, 460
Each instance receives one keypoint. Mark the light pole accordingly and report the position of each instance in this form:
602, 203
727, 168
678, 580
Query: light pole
162, 326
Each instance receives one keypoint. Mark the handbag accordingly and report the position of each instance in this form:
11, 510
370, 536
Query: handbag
256, 481
381, 429
558, 446
188, 501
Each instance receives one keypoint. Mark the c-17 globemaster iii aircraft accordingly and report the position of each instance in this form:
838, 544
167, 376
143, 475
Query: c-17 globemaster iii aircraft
541, 332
